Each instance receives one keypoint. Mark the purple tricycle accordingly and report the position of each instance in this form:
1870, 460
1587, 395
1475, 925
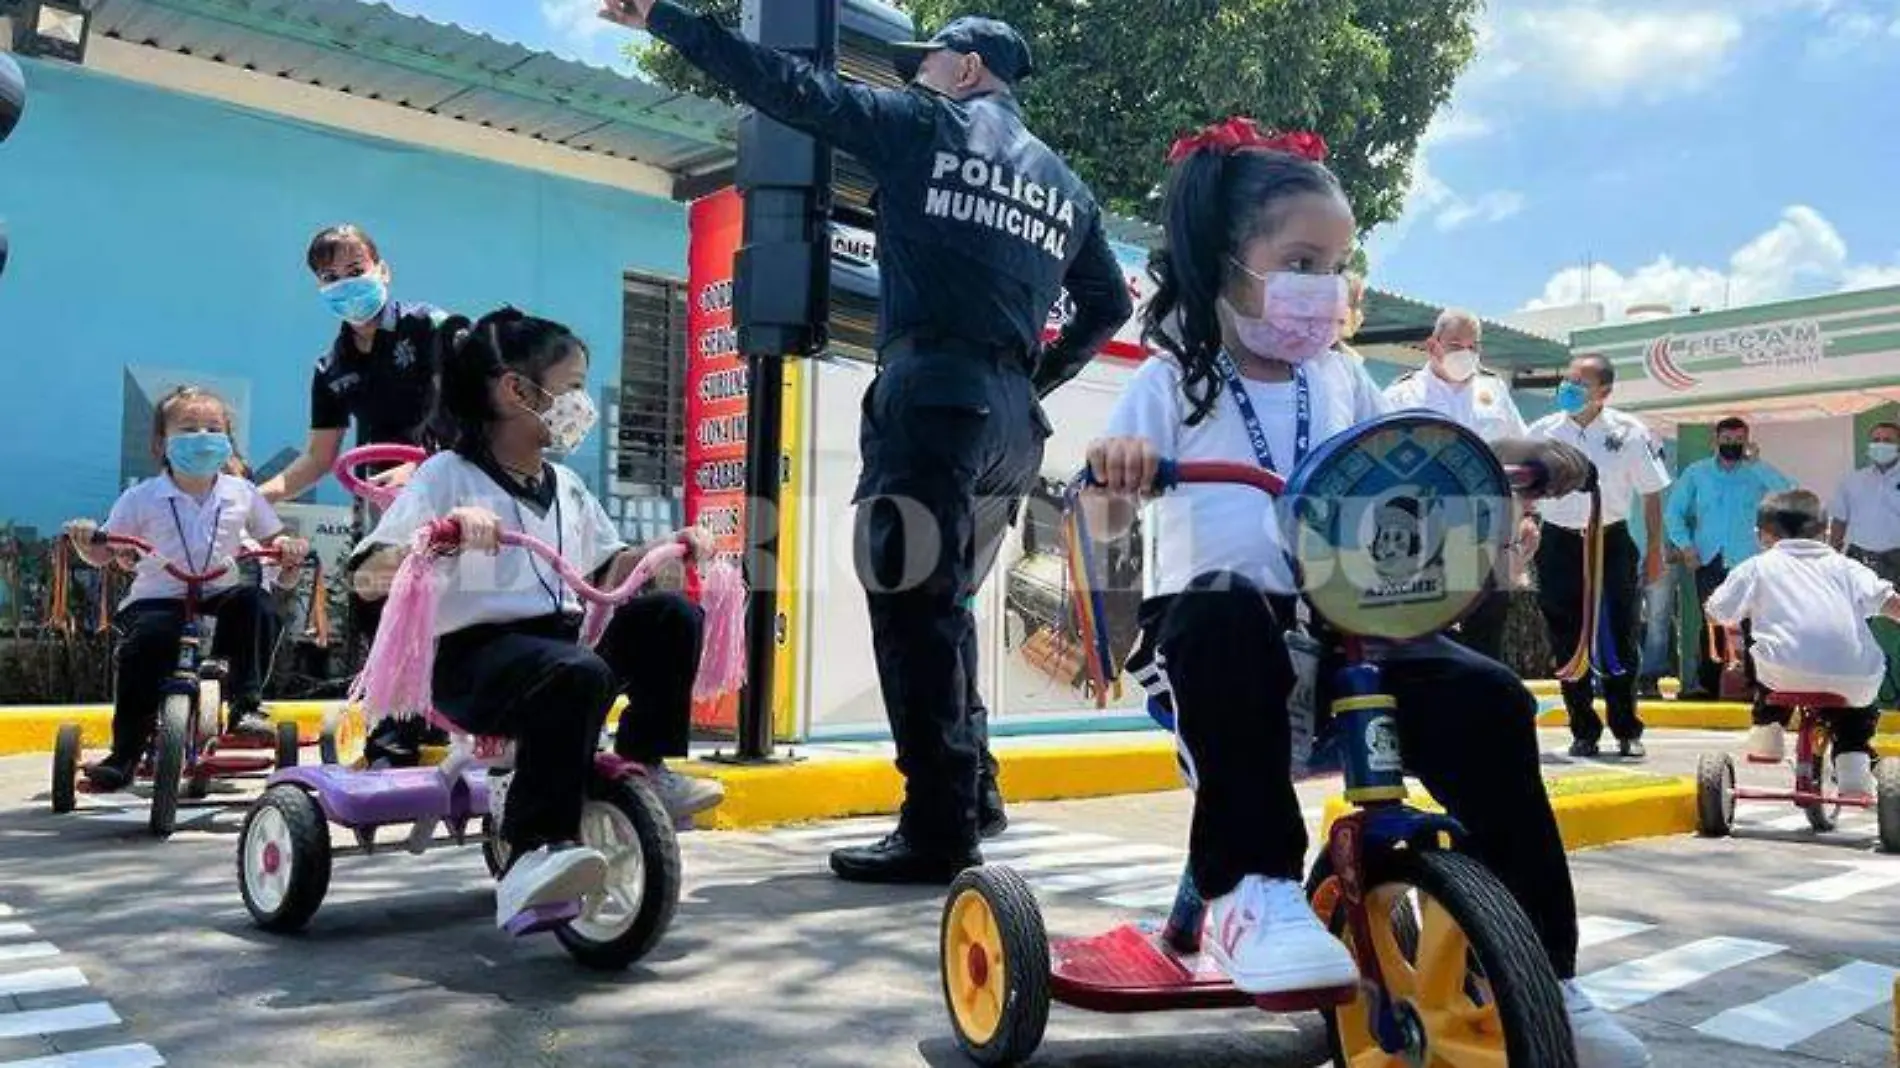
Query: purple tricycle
284, 851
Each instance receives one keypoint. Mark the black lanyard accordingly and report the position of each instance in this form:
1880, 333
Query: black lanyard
560, 546
184, 542
1257, 433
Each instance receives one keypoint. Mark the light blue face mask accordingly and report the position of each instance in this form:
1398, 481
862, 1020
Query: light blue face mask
1572, 397
199, 454
356, 300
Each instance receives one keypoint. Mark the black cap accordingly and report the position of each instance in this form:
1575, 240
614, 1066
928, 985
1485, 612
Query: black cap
1004, 51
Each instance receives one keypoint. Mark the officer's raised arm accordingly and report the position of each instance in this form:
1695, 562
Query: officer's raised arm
1102, 304
871, 124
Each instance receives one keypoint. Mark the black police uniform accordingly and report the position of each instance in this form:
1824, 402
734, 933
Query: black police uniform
390, 393
980, 228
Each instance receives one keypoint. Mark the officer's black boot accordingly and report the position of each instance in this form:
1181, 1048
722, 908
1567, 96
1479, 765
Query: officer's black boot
991, 819
898, 860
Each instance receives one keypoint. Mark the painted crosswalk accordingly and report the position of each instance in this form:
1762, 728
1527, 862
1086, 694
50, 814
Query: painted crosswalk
1854, 826
1763, 994
48, 1010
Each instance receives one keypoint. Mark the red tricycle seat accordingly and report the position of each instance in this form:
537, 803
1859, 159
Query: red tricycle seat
1130, 969
1797, 699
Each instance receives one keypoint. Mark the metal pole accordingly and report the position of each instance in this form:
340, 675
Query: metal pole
765, 402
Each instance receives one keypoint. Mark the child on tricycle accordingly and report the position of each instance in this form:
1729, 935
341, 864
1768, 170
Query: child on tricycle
1808, 606
1247, 314
197, 514
507, 659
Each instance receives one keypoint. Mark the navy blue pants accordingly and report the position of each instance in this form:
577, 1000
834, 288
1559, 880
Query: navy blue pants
244, 636
952, 440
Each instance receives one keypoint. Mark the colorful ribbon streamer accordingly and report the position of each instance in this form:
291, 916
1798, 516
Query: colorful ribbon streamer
1086, 606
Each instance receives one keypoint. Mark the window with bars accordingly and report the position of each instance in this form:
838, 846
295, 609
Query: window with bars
650, 436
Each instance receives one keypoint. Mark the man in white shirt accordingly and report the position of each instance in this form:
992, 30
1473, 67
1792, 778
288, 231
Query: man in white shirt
1452, 384
1625, 455
1865, 513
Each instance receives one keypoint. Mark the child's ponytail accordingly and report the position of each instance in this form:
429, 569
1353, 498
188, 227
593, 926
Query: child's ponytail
1227, 186
475, 354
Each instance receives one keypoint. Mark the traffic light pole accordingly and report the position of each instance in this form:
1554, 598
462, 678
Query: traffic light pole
781, 303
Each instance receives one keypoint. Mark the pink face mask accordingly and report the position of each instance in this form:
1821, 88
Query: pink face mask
1302, 315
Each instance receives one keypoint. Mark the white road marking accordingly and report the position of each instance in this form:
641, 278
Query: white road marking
1801, 1012
107, 1057
27, 951
1043, 847
1083, 880
1593, 931
1117, 856
1863, 877
57, 1021
1154, 896
1647, 978
40, 981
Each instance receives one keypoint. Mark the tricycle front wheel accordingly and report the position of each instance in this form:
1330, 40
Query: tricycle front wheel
1472, 985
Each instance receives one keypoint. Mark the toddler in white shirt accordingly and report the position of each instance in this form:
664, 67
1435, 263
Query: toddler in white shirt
1808, 606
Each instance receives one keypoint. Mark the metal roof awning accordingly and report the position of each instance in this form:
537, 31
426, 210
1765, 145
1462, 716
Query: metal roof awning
1396, 328
375, 52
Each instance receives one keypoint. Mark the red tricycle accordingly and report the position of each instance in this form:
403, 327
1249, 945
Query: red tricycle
1451, 971
1816, 791
189, 746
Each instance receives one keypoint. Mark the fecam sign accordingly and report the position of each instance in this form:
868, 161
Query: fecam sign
1790, 344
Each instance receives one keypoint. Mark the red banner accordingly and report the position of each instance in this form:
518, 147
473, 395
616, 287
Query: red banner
715, 393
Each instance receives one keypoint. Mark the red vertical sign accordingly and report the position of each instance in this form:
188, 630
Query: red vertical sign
715, 392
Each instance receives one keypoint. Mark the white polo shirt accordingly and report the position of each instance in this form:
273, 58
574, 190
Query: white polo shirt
1627, 460
512, 584
1482, 405
1868, 501
195, 533
1202, 528
1808, 607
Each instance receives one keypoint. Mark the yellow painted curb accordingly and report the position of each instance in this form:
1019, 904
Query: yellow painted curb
867, 786
32, 730
1695, 715
1595, 819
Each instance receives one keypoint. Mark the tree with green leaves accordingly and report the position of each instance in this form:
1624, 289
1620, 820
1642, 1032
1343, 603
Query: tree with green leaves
1116, 83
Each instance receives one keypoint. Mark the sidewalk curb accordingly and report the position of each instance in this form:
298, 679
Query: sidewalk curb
1694, 715
31, 729
1588, 820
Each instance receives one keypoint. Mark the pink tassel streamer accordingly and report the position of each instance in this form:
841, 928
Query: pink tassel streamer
395, 678
722, 660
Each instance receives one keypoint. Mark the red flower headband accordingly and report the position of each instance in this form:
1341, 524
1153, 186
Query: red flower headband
1239, 133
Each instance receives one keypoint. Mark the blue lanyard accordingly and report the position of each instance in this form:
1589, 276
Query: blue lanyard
1256, 433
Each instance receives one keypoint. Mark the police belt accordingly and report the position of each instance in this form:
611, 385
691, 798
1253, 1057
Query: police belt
934, 346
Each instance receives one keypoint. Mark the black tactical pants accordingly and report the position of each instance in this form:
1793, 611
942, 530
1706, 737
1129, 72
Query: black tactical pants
952, 440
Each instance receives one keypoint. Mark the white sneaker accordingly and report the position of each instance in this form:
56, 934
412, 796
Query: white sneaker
1854, 774
1767, 743
684, 795
1601, 1041
1265, 937
548, 877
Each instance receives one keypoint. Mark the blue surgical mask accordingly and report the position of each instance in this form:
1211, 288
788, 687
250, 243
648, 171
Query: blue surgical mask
199, 454
1572, 397
1883, 453
356, 300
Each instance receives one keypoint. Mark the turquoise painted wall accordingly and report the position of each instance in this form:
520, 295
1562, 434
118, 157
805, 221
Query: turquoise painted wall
156, 230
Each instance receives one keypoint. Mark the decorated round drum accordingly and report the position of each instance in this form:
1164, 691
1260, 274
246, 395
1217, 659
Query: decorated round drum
1397, 525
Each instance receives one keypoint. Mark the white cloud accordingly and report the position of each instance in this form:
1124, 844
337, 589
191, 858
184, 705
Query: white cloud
1602, 54
1802, 253
1430, 199
1495, 206
576, 23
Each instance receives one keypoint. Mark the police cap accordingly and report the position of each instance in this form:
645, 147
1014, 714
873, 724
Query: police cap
1004, 51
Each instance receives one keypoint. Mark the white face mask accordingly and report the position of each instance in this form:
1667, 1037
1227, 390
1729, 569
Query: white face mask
1883, 453
569, 418
1459, 365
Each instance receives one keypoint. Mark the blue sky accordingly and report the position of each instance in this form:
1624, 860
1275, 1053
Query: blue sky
1696, 152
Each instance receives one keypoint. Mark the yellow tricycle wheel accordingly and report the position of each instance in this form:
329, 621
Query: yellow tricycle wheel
341, 738
1468, 983
995, 966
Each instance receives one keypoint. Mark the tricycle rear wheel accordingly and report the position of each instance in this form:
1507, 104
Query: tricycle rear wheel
1715, 795
1887, 803
1477, 980
995, 966
284, 859
66, 768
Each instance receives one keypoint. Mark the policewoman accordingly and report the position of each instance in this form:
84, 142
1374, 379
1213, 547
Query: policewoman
980, 228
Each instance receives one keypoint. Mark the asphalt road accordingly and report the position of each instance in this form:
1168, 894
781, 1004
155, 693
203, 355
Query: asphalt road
116, 951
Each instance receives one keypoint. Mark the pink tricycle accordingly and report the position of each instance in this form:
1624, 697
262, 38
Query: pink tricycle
284, 851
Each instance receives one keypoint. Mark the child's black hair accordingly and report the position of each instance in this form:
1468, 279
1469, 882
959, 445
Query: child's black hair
1216, 202
1791, 514
504, 340
332, 240
177, 397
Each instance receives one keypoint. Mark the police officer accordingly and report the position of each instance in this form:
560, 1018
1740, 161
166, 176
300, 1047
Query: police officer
1454, 385
980, 227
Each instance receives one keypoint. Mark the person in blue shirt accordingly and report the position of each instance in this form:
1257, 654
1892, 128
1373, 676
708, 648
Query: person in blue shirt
1710, 523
